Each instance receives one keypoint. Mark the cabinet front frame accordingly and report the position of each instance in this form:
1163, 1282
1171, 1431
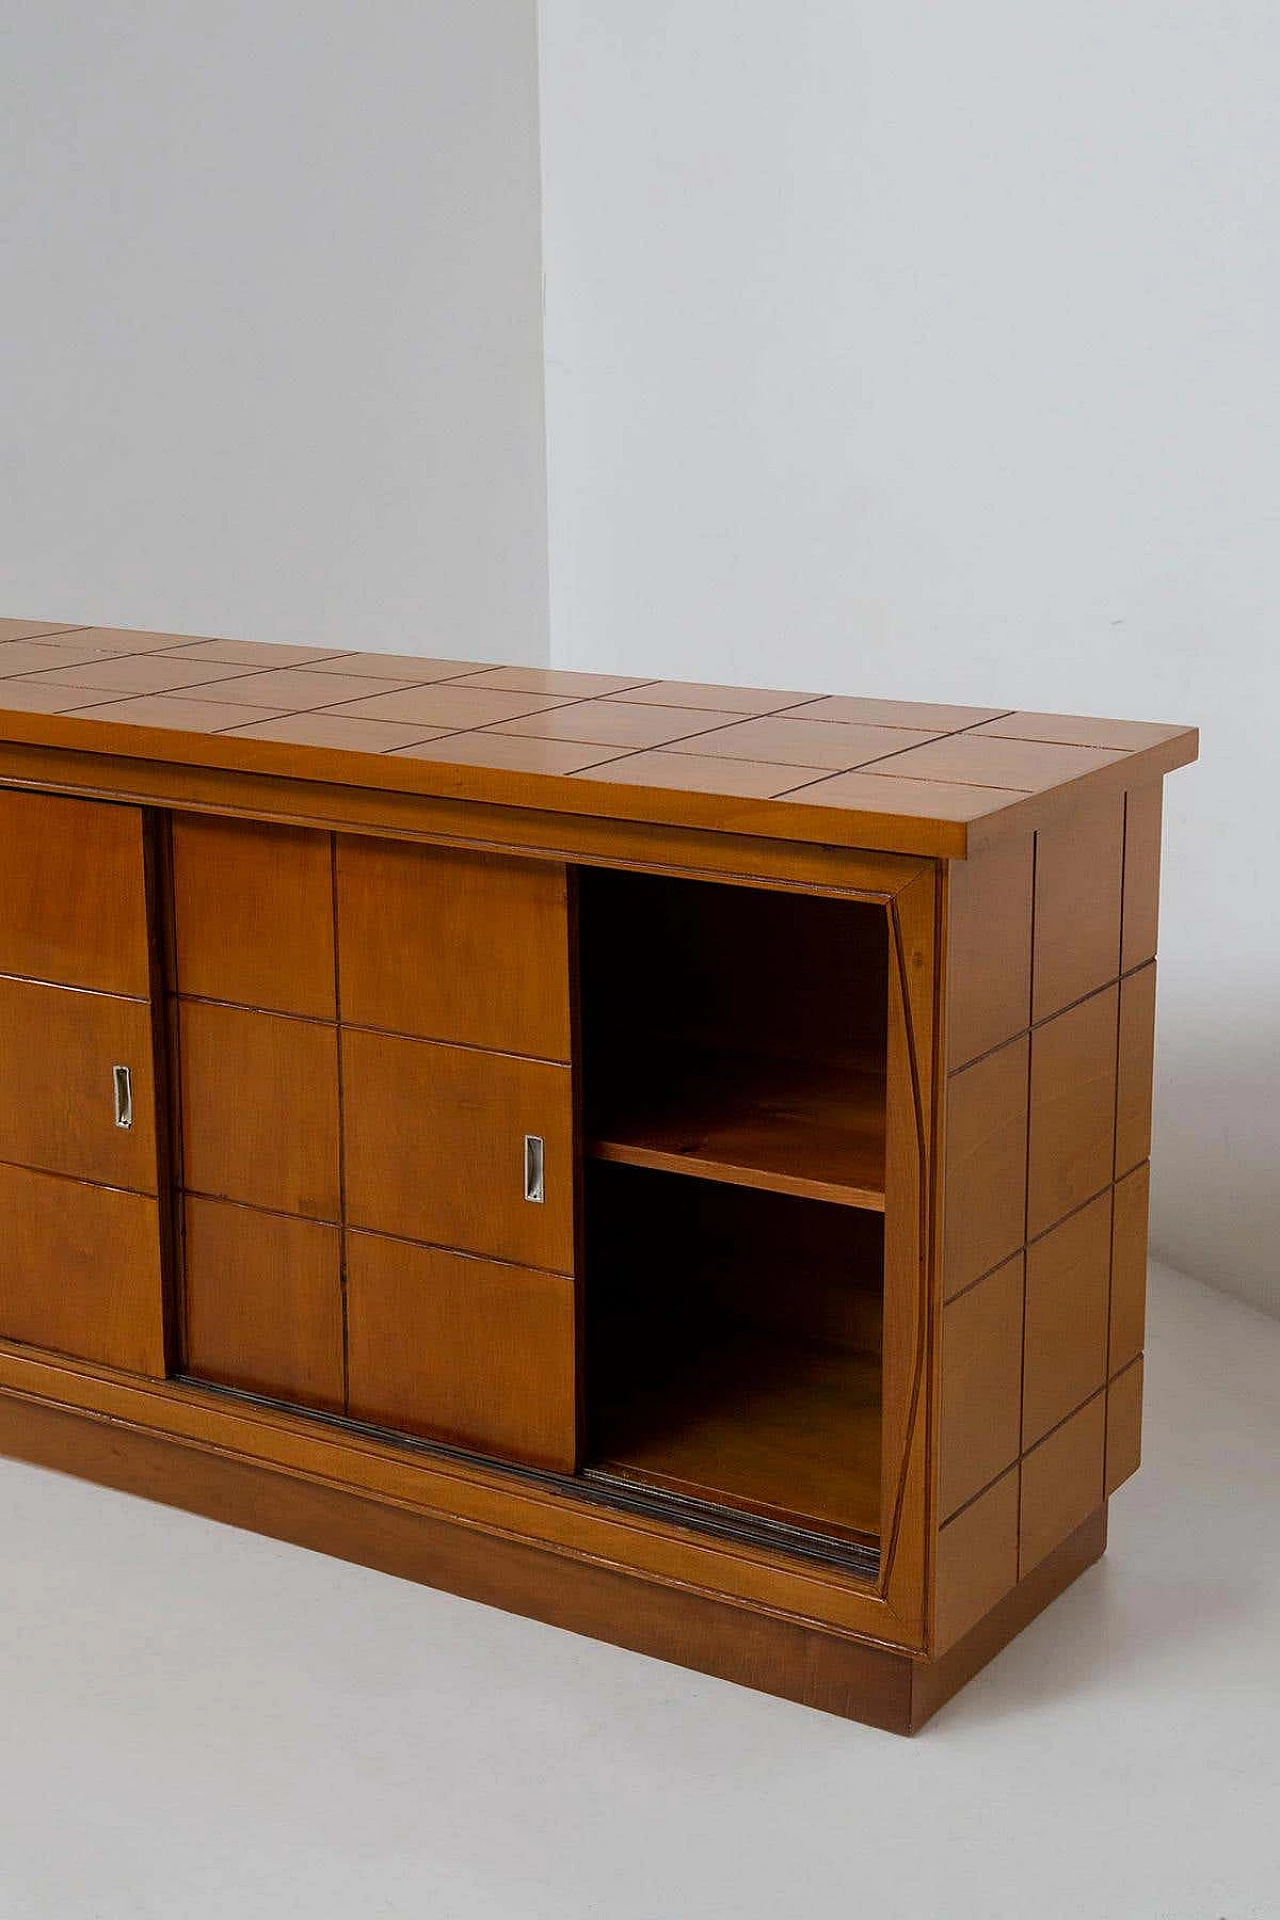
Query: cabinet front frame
565, 1517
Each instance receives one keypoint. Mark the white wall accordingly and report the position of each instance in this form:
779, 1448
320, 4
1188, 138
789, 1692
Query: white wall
932, 350
270, 313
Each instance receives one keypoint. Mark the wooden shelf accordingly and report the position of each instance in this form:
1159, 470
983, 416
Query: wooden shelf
786, 1430
783, 1126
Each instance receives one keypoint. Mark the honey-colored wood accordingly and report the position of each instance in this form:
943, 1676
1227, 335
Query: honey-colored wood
1073, 1109
986, 1167
1129, 1270
832, 744
774, 1653
136, 673
913, 1102
977, 1561
1061, 1483
31, 629
253, 915
1135, 1068
981, 1359
74, 899
790, 1432
952, 794
562, 1517
1077, 730
934, 1682
262, 1303
623, 725
466, 947
469, 1351
1079, 865
989, 948
1065, 1342
434, 1139
1022, 765
1124, 1425
1143, 810
855, 710
59, 1047
81, 1270
259, 1109
770, 1403
788, 1129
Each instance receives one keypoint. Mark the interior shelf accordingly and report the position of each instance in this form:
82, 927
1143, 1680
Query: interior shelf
784, 1126
787, 1430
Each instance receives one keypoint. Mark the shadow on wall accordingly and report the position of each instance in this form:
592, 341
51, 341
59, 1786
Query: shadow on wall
1215, 1195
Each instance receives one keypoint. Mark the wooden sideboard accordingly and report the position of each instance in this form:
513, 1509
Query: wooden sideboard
668, 1160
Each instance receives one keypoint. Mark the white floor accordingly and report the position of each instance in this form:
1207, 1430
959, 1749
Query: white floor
201, 1725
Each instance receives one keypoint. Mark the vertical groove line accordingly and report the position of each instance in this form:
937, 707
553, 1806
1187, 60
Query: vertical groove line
1026, 1204
1115, 1132
342, 1127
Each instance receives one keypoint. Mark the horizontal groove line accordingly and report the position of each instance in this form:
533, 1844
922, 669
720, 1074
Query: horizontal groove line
1047, 1019
372, 1233
68, 986
1025, 1453
361, 1026
1058, 1425
79, 1179
1034, 1240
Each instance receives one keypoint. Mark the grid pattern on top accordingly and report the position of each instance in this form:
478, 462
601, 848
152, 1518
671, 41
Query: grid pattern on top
890, 757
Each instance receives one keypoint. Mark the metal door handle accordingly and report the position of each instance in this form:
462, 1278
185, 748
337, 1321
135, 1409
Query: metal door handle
534, 1159
122, 1081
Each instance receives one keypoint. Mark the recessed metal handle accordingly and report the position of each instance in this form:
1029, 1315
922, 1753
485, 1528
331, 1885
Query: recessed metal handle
122, 1081
534, 1158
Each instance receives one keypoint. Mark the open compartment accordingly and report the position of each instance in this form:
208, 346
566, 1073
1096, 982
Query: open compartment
735, 1033
734, 1349
733, 1060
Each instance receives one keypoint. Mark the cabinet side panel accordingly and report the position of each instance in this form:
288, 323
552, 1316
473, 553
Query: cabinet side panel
1124, 1425
981, 1359
1062, 1482
988, 948
1065, 1343
1079, 862
1129, 1270
1135, 1068
1142, 827
1073, 1109
985, 1182
976, 1562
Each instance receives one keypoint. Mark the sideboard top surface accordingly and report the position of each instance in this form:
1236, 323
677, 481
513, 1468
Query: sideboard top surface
893, 775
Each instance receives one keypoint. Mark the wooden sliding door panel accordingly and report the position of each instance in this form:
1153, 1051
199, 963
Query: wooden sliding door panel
263, 1303
81, 1270
435, 1147
259, 1109
75, 893
253, 914
462, 1350
59, 1048
449, 945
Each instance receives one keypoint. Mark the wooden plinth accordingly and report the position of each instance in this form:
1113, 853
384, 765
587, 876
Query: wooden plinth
836, 1673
